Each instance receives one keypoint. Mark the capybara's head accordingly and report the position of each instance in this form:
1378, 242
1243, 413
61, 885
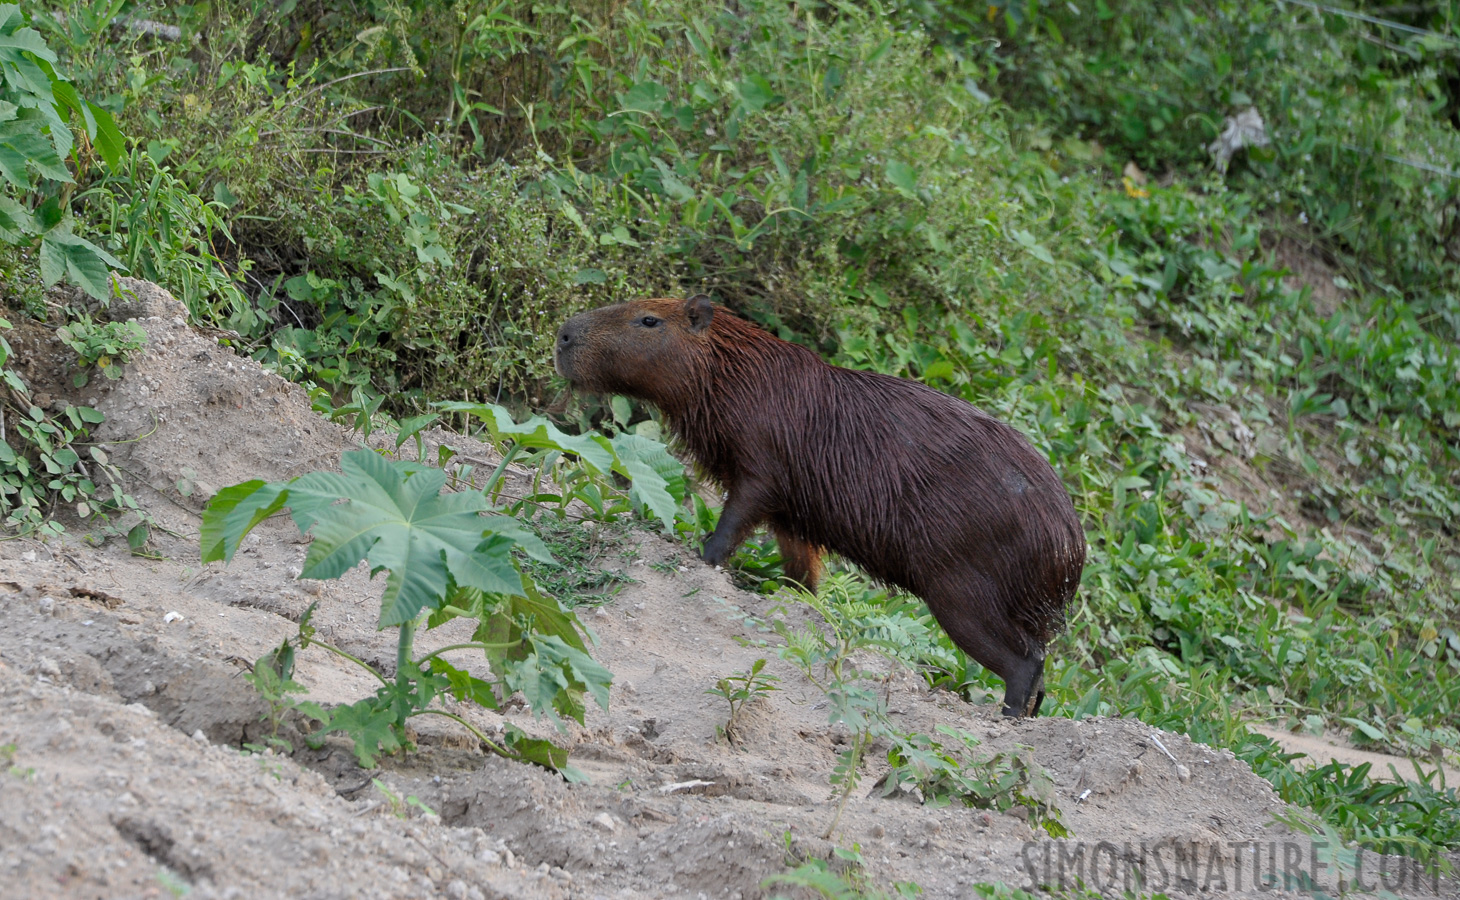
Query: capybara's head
643, 348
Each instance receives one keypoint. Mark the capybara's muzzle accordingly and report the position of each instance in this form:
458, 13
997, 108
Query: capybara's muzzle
570, 338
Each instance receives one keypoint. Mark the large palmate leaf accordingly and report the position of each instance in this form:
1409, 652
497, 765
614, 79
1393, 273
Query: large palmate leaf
389, 514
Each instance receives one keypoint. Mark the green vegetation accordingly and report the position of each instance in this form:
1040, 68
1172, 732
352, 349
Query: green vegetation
742, 688
443, 559
396, 203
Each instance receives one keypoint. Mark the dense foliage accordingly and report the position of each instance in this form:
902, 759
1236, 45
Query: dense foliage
396, 202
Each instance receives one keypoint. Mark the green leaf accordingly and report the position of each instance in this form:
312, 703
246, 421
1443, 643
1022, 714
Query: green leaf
25, 39
756, 93
1369, 731
903, 177
15, 221
538, 433
371, 726
85, 263
223, 196
646, 96
394, 515
1028, 242
656, 478
464, 685
536, 750
233, 512
108, 137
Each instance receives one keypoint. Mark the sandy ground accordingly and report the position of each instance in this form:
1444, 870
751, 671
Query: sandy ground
121, 693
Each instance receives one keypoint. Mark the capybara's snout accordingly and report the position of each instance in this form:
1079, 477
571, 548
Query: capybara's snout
565, 349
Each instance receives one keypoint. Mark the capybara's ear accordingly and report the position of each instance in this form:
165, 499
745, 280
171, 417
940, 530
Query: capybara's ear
699, 309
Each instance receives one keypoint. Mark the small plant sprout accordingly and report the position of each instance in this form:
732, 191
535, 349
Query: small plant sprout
740, 689
401, 807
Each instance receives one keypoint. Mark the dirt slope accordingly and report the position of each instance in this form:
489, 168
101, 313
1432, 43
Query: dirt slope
121, 691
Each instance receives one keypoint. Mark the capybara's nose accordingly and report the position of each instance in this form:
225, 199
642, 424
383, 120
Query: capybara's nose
565, 336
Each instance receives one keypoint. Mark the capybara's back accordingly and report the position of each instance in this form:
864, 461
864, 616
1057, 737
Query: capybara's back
920, 489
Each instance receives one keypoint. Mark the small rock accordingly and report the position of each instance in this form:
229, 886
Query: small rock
1019, 812
27, 556
47, 666
489, 857
1183, 773
456, 890
47, 606
932, 826
200, 737
986, 819
878, 831
605, 821
173, 616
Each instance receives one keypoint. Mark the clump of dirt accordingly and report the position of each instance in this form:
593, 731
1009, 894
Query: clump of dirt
122, 682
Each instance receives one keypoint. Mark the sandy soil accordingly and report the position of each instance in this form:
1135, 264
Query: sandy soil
122, 695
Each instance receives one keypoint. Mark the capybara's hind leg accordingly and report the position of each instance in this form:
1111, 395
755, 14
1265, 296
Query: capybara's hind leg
800, 560
995, 644
1036, 692
1024, 686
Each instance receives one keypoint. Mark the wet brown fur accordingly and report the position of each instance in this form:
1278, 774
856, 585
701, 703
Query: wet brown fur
918, 488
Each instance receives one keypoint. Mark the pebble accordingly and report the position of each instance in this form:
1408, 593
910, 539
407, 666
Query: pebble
173, 616
605, 821
47, 606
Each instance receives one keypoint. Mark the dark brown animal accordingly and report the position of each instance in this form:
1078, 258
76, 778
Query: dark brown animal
920, 489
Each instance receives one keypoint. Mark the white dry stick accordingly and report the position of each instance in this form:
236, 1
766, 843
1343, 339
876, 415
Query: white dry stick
1157, 742
682, 786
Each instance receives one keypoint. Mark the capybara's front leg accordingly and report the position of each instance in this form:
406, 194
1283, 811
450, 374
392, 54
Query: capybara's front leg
738, 519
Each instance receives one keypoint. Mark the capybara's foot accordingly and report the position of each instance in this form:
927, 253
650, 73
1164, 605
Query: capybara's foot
1024, 691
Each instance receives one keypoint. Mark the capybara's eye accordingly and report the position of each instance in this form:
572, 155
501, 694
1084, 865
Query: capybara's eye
649, 321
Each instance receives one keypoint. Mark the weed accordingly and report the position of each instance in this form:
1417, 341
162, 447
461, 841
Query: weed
7, 759
852, 884
401, 807
740, 689
105, 345
578, 577
1003, 781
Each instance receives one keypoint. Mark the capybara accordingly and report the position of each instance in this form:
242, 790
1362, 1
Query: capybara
920, 489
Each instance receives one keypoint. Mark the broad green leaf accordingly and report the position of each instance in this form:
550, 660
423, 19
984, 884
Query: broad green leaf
370, 726
646, 96
108, 137
394, 515
903, 177
1028, 242
464, 685
530, 543
15, 221
28, 40
233, 512
538, 433
656, 478
85, 263
536, 750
